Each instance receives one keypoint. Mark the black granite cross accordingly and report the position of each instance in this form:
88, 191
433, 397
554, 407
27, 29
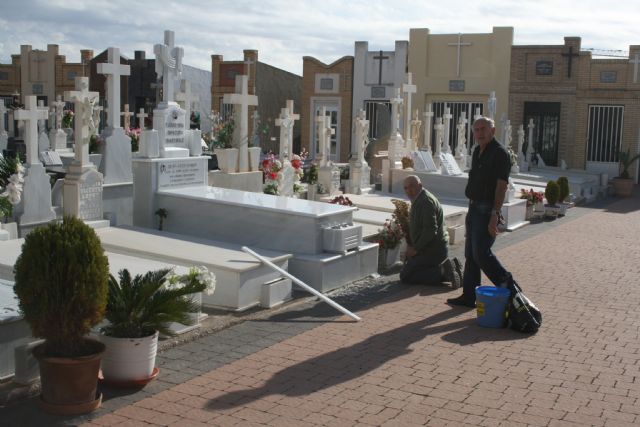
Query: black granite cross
380, 58
570, 55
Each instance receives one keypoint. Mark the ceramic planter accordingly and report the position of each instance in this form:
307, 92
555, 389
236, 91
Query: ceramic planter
129, 360
312, 189
623, 186
69, 385
388, 257
227, 159
551, 211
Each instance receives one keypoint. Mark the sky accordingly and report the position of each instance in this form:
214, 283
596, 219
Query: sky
283, 31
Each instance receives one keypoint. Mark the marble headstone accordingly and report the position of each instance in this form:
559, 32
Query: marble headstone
449, 164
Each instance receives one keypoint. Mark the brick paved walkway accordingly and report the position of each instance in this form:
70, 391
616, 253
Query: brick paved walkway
413, 360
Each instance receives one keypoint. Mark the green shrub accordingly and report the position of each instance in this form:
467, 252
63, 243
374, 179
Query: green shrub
563, 183
552, 192
61, 282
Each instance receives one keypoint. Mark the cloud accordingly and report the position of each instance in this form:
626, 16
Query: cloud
285, 31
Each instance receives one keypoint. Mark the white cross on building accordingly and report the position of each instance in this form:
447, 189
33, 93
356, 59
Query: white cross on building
459, 45
30, 116
241, 102
113, 70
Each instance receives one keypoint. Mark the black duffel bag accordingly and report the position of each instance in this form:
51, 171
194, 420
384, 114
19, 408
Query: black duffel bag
522, 314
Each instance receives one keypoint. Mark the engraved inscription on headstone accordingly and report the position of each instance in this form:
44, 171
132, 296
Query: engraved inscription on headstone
423, 161
544, 68
91, 200
449, 164
174, 124
608, 76
173, 174
456, 85
335, 180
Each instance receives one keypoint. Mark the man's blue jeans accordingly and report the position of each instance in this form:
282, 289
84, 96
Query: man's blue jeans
477, 252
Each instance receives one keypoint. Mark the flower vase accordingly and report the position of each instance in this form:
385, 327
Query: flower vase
387, 257
254, 158
227, 159
312, 189
528, 216
539, 207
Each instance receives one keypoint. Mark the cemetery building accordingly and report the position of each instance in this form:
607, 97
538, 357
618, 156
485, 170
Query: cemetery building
584, 109
271, 85
43, 73
328, 86
376, 75
459, 72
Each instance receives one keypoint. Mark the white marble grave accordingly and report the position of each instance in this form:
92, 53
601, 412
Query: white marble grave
58, 137
35, 205
359, 170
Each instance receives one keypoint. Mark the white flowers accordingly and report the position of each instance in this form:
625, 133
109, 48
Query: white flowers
13, 189
206, 277
196, 276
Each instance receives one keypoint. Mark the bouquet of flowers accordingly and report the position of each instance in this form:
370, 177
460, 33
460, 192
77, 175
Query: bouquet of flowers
67, 118
134, 134
272, 172
401, 216
11, 180
407, 162
341, 200
531, 196
296, 163
390, 235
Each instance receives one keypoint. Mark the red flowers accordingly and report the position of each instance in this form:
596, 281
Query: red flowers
296, 163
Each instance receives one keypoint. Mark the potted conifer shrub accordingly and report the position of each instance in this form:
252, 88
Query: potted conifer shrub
61, 281
623, 184
138, 310
551, 193
563, 186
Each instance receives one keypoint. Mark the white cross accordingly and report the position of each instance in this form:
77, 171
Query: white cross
635, 63
447, 120
141, 116
186, 98
31, 115
427, 129
242, 100
41, 123
324, 136
285, 122
168, 64
408, 88
3, 111
459, 45
96, 118
295, 117
83, 105
362, 132
492, 104
395, 103
113, 70
127, 116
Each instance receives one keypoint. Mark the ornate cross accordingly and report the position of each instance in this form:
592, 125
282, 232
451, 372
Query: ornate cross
31, 115
168, 64
84, 102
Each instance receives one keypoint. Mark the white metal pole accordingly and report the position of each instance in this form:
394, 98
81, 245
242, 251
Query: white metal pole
302, 284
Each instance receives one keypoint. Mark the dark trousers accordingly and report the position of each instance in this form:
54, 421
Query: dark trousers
423, 270
477, 252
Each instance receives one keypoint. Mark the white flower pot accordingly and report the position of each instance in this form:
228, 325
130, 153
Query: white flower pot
227, 159
254, 158
388, 257
128, 359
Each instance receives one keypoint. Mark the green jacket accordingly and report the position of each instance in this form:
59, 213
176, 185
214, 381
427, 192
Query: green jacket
426, 225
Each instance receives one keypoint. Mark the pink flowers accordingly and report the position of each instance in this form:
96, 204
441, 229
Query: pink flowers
531, 196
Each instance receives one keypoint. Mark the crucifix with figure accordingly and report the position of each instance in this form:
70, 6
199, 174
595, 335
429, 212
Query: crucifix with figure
83, 104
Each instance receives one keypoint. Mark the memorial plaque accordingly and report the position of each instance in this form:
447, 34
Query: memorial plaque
456, 85
183, 173
423, 161
378, 92
449, 164
608, 76
90, 200
174, 124
544, 68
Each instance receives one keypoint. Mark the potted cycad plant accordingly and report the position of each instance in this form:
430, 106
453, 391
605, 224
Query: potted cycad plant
623, 184
551, 193
138, 310
61, 281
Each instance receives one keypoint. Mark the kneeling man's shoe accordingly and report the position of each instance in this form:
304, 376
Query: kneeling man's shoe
461, 301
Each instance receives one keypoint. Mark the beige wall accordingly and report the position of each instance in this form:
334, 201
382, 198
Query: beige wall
484, 67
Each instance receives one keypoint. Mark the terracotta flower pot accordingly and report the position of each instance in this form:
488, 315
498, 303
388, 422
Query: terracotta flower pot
69, 384
623, 186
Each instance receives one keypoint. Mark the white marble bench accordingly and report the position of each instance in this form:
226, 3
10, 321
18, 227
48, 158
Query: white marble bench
240, 278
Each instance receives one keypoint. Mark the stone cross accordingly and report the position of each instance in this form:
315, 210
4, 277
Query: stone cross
395, 104
241, 101
362, 132
324, 131
459, 45
127, 116
439, 128
84, 102
393, 149
141, 117
447, 116
255, 123
635, 63
96, 118
285, 122
428, 117
113, 70
31, 115
531, 127
168, 64
186, 97
520, 141
478, 114
3, 111
461, 149
58, 104
491, 104
416, 123
408, 88
295, 117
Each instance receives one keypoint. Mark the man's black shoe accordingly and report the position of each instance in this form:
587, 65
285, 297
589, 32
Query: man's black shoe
461, 301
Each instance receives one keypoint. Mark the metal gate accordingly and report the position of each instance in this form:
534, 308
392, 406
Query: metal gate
456, 108
379, 116
546, 134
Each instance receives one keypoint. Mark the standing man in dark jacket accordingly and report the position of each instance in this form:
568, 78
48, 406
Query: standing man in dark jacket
486, 189
427, 252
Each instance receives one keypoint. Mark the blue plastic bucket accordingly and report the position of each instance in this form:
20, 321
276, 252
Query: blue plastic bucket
491, 303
